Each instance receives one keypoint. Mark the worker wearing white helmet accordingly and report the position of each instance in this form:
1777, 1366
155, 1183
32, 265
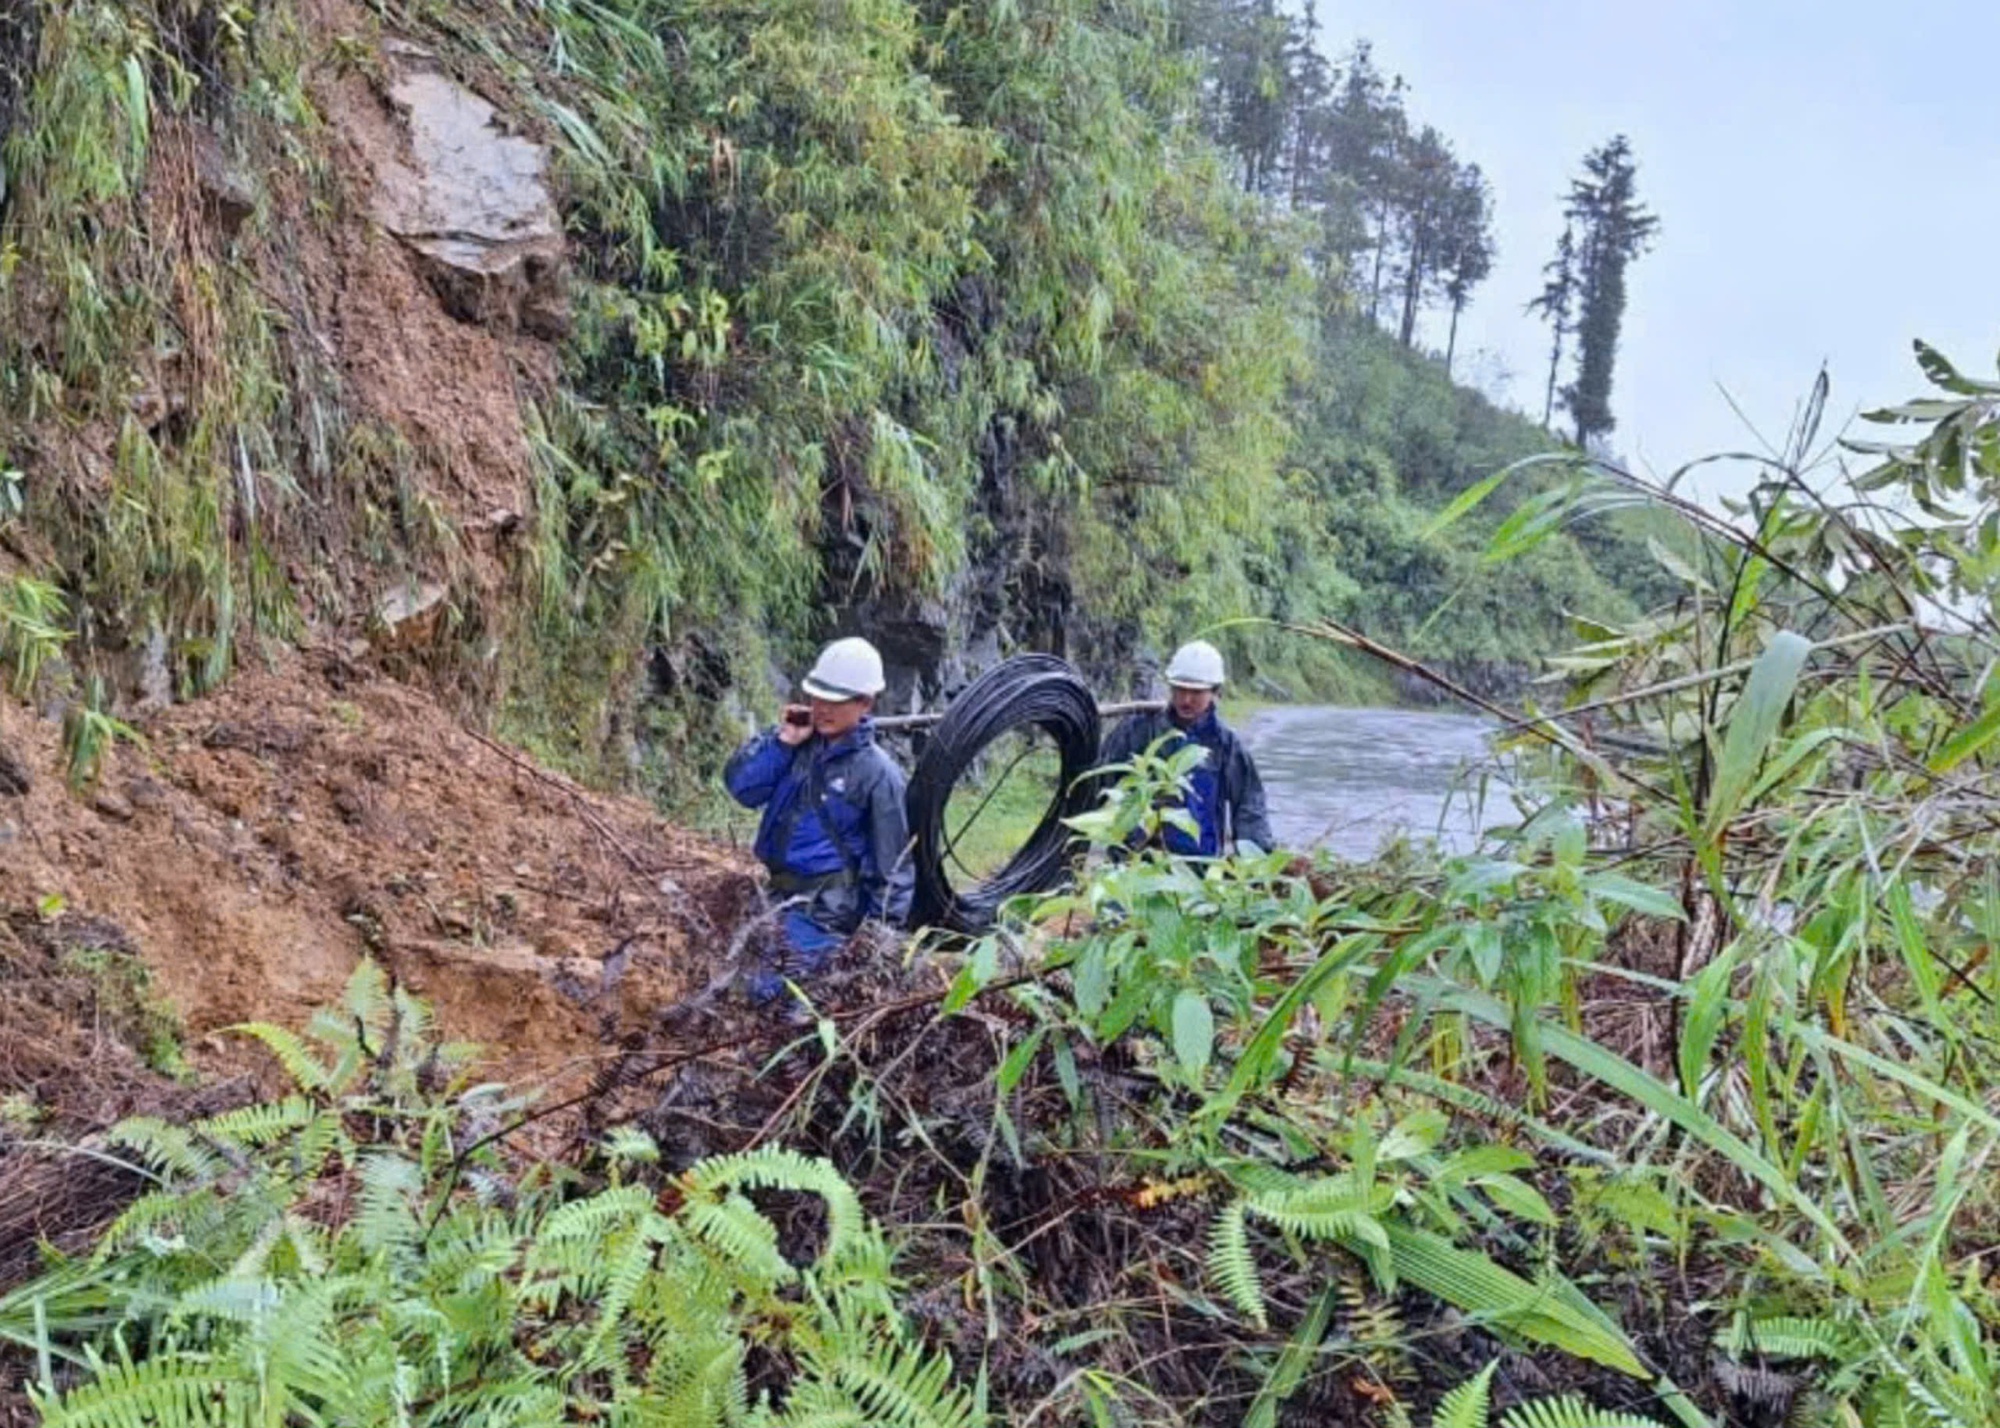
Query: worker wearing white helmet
1225, 794
834, 834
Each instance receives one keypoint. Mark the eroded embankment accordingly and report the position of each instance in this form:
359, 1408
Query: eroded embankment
260, 841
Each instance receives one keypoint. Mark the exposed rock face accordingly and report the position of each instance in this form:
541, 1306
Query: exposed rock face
228, 191
472, 200
407, 617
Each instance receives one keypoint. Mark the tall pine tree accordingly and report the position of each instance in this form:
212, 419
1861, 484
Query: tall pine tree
1604, 206
1557, 305
1468, 251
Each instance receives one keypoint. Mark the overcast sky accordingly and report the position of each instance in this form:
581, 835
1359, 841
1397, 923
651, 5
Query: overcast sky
1826, 174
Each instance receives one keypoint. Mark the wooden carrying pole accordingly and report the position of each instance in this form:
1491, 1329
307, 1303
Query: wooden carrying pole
893, 722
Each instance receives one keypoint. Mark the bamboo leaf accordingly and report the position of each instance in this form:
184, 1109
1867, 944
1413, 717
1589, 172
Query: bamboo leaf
1463, 502
1708, 1006
1753, 723
1967, 741
1290, 1370
1640, 897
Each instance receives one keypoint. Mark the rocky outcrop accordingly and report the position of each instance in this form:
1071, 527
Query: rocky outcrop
472, 201
1489, 679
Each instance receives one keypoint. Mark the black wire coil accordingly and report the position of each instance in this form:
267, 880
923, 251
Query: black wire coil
1038, 691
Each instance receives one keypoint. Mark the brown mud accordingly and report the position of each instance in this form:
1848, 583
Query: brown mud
259, 842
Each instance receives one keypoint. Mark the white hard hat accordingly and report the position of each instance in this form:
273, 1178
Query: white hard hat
1196, 665
847, 669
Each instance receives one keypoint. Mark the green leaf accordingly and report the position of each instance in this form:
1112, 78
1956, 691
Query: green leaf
1462, 503
1708, 1007
1194, 1031
1482, 1160
1674, 565
1518, 1198
1413, 1135
1018, 1060
1066, 1070
1967, 741
1091, 976
1532, 522
1654, 1094
1640, 897
138, 109
1477, 1286
1298, 1355
1942, 373
1753, 723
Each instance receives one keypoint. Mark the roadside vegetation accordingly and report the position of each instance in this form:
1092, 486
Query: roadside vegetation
1678, 1101
1675, 1102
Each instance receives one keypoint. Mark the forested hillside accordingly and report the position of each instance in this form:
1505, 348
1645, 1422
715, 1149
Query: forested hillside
973, 326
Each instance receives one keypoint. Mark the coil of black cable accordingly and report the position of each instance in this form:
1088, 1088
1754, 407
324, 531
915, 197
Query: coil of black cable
1027, 691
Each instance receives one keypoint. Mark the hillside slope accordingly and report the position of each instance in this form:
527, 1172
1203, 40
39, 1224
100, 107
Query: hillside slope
610, 355
264, 838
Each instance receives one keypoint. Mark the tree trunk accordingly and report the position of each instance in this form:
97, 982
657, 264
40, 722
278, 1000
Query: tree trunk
1381, 247
1413, 287
1406, 330
1451, 341
1549, 398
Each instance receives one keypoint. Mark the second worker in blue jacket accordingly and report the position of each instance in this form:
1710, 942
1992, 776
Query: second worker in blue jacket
1225, 797
834, 834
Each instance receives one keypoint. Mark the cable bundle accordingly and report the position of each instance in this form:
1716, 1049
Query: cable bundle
1038, 691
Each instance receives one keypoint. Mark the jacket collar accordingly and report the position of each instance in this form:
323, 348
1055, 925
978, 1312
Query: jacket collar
1203, 730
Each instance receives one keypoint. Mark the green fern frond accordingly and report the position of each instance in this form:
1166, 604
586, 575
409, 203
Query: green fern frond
1231, 1264
628, 1266
629, 1143
1793, 1337
899, 1385
251, 1127
1466, 1406
231, 1299
1571, 1411
1330, 1210
366, 997
743, 1238
160, 1215
415, 1026
837, 1414
468, 1250
174, 1149
511, 1402
299, 1064
167, 1391
776, 1168
386, 1218
602, 1214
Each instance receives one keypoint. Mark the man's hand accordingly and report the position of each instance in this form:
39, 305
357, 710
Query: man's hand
795, 725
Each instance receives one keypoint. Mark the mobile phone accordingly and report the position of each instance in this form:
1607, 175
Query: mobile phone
798, 718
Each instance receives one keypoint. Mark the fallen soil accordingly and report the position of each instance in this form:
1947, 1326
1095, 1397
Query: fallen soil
260, 841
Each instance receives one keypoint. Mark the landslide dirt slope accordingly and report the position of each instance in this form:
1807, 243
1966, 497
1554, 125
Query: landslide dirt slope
261, 840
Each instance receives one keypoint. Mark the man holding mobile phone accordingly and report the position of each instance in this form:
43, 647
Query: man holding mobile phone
834, 834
